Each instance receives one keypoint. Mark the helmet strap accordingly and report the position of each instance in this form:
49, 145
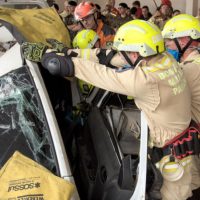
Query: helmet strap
133, 65
182, 51
81, 24
95, 20
138, 60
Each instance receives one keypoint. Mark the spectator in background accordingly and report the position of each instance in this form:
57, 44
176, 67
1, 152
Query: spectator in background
133, 11
110, 13
106, 10
55, 5
113, 9
146, 14
176, 12
98, 8
69, 19
123, 17
65, 11
128, 11
110, 8
99, 15
162, 15
139, 10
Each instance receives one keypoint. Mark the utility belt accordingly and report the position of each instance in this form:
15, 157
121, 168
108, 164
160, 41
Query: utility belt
175, 155
184, 144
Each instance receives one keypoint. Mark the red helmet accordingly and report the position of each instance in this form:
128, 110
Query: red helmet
84, 9
166, 2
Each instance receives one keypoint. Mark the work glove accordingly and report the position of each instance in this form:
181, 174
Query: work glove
33, 51
58, 46
58, 64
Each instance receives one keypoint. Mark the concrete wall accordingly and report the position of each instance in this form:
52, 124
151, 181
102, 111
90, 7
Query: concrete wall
192, 7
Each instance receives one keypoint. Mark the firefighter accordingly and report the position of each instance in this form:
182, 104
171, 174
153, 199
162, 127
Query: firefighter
158, 86
86, 13
182, 34
85, 39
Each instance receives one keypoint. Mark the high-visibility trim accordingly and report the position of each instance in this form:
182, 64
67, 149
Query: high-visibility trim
85, 53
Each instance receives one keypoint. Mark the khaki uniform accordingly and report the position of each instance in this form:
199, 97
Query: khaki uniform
156, 87
91, 54
191, 68
161, 91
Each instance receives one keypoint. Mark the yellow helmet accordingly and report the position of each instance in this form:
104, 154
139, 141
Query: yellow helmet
182, 25
139, 36
85, 39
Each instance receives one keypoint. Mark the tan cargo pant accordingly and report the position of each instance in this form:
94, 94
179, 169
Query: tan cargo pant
182, 188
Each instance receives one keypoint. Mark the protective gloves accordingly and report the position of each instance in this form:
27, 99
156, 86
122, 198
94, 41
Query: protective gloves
33, 51
58, 64
58, 46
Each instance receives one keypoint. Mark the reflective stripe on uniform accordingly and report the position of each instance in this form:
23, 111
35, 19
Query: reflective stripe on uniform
164, 63
85, 54
172, 170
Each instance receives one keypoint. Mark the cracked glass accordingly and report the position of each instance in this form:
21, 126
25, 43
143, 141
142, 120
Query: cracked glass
23, 124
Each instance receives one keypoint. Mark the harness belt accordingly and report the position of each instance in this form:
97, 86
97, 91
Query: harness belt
185, 144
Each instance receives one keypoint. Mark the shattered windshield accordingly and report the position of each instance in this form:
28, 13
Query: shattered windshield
23, 125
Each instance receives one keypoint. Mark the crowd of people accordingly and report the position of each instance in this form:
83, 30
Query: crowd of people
115, 17
159, 60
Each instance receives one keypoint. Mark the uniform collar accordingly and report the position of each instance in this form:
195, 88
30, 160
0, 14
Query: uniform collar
194, 54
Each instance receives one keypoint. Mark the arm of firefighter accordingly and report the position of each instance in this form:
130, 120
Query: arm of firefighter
104, 77
95, 56
132, 82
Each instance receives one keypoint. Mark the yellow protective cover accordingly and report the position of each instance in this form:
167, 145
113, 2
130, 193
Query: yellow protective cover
36, 25
22, 178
